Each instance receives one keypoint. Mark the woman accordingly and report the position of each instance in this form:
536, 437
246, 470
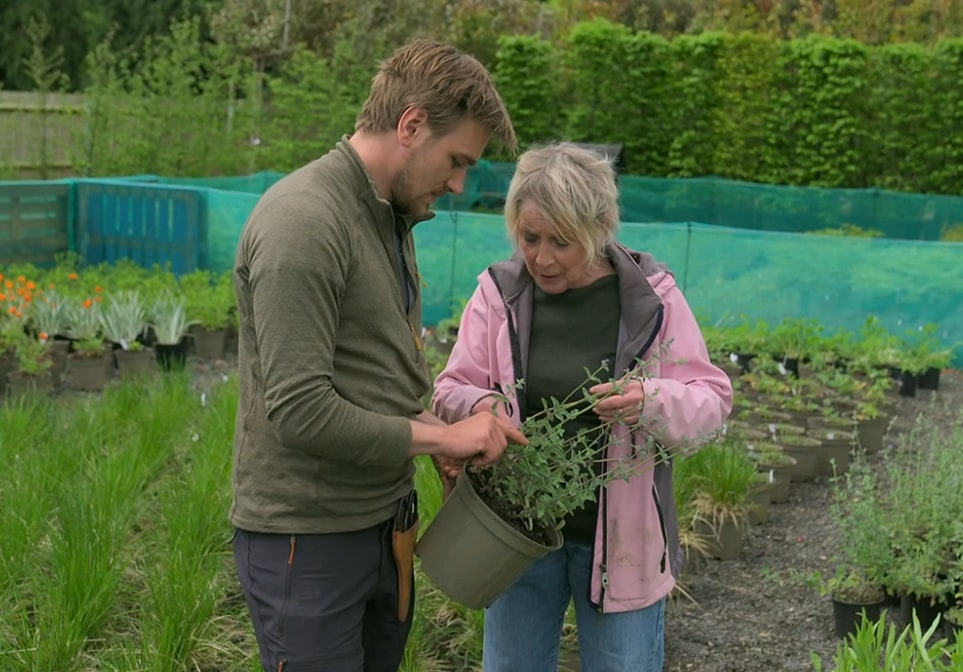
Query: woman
570, 298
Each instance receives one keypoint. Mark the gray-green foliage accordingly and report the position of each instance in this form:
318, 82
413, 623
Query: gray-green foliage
535, 486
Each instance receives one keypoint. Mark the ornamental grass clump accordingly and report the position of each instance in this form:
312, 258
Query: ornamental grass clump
168, 319
85, 327
48, 314
535, 486
124, 319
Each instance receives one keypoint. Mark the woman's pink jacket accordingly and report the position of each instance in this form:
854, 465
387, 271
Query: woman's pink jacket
637, 553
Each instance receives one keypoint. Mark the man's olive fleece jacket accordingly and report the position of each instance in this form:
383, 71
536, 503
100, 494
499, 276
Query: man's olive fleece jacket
329, 364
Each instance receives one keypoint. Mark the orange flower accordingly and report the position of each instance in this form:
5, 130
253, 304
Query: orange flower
8, 284
98, 289
31, 285
26, 297
13, 310
21, 279
98, 299
43, 336
3, 297
87, 304
72, 276
51, 286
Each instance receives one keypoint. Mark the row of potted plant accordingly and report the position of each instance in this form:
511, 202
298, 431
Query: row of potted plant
899, 522
795, 342
62, 321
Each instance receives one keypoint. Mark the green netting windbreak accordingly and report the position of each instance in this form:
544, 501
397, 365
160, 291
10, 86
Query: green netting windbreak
744, 205
256, 183
730, 274
748, 205
227, 211
793, 209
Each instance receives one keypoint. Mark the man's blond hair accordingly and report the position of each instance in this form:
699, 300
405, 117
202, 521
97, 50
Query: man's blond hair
448, 84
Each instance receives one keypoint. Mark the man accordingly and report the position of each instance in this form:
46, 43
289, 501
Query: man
332, 373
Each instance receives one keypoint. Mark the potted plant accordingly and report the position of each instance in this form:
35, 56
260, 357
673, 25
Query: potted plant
499, 519
87, 362
685, 488
804, 449
48, 318
124, 322
210, 306
771, 460
923, 510
725, 477
170, 324
793, 341
863, 556
11, 332
928, 356
33, 366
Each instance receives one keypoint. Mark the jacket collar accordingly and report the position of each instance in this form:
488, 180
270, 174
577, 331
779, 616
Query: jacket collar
641, 307
631, 267
367, 190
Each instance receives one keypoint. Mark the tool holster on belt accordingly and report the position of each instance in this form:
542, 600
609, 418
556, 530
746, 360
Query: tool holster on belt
403, 538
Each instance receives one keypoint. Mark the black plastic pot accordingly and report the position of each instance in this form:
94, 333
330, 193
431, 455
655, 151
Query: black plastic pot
929, 379
744, 360
847, 616
171, 357
907, 385
926, 608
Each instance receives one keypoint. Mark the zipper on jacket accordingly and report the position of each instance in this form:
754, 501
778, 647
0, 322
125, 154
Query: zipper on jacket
603, 567
407, 292
665, 535
659, 317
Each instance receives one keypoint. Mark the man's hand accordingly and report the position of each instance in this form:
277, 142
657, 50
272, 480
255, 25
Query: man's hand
480, 439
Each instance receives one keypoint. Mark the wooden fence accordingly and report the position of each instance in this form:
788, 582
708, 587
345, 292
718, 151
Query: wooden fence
41, 136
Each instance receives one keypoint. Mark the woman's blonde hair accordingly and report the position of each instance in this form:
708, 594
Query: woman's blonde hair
448, 84
573, 187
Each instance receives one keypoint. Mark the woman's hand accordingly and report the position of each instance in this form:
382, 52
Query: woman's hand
492, 404
620, 403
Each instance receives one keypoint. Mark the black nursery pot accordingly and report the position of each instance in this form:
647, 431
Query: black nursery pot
791, 364
907, 384
171, 357
929, 379
927, 610
744, 360
847, 616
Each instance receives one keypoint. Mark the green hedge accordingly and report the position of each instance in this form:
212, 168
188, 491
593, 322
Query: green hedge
812, 111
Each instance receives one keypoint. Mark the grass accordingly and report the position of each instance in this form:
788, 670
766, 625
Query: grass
115, 547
